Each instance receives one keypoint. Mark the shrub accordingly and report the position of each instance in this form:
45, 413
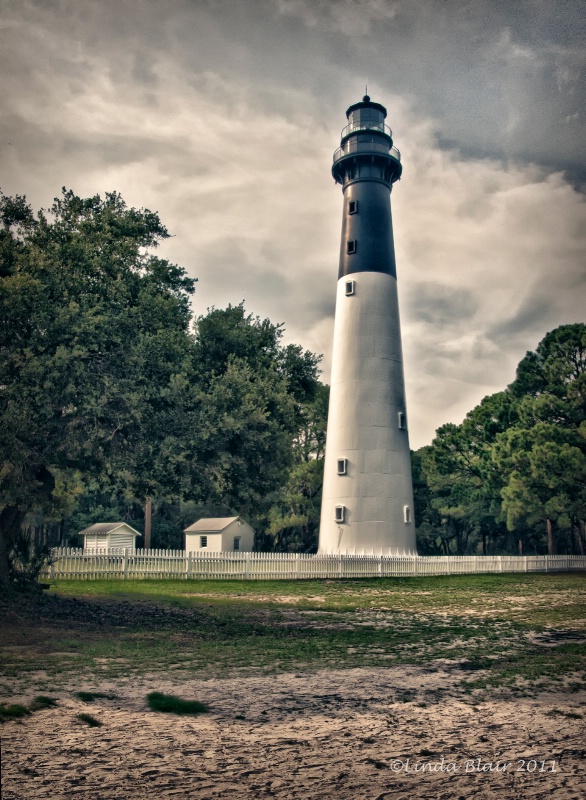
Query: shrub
169, 704
42, 701
12, 712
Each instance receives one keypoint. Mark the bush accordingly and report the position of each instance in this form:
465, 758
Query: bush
42, 701
27, 560
12, 712
168, 704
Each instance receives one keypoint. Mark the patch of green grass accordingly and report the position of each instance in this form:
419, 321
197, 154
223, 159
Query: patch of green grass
416, 593
92, 722
41, 702
210, 627
169, 704
14, 711
533, 664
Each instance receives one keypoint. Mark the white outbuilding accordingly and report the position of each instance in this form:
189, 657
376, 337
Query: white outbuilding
107, 537
219, 535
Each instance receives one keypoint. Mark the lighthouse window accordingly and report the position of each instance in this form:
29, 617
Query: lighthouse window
203, 541
351, 246
353, 207
342, 466
407, 513
349, 288
340, 513
402, 420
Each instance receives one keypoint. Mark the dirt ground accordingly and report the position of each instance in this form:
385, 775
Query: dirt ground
354, 734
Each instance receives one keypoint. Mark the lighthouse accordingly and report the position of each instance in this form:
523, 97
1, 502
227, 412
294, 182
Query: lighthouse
367, 506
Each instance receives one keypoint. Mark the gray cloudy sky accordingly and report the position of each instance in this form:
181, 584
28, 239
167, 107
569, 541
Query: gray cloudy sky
223, 115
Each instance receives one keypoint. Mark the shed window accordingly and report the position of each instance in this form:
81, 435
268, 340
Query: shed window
351, 246
406, 513
203, 541
340, 513
353, 207
349, 289
402, 419
237, 542
342, 466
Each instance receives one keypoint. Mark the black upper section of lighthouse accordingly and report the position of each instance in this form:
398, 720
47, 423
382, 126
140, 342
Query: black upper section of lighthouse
366, 165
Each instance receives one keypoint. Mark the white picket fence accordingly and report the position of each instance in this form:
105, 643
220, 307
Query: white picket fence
77, 563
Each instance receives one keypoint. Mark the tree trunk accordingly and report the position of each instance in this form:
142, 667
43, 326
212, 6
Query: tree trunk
520, 547
579, 535
11, 518
550, 538
147, 524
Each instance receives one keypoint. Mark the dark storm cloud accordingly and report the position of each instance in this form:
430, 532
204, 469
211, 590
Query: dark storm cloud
529, 317
503, 79
437, 304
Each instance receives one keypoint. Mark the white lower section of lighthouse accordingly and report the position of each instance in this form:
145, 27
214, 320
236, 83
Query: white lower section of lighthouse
367, 506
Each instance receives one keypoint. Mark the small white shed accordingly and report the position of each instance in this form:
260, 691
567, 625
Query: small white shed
104, 537
219, 535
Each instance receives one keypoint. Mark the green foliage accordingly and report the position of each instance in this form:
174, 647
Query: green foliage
93, 329
517, 463
41, 702
107, 394
13, 711
27, 559
292, 522
17, 711
255, 395
169, 704
544, 456
461, 481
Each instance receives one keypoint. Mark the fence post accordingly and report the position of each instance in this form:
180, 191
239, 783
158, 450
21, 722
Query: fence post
340, 565
380, 566
500, 558
525, 563
296, 565
125, 563
247, 567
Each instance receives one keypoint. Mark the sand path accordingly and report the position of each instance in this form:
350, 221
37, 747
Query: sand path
348, 734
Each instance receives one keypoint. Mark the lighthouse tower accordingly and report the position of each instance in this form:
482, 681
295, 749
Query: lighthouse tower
367, 506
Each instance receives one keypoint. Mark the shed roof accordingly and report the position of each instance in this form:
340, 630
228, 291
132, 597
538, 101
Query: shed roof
210, 524
108, 527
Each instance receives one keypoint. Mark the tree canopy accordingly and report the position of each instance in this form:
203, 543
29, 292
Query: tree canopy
517, 464
107, 389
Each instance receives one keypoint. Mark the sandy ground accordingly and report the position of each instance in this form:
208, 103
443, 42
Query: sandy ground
350, 734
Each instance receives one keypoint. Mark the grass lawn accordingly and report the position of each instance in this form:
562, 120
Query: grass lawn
513, 632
